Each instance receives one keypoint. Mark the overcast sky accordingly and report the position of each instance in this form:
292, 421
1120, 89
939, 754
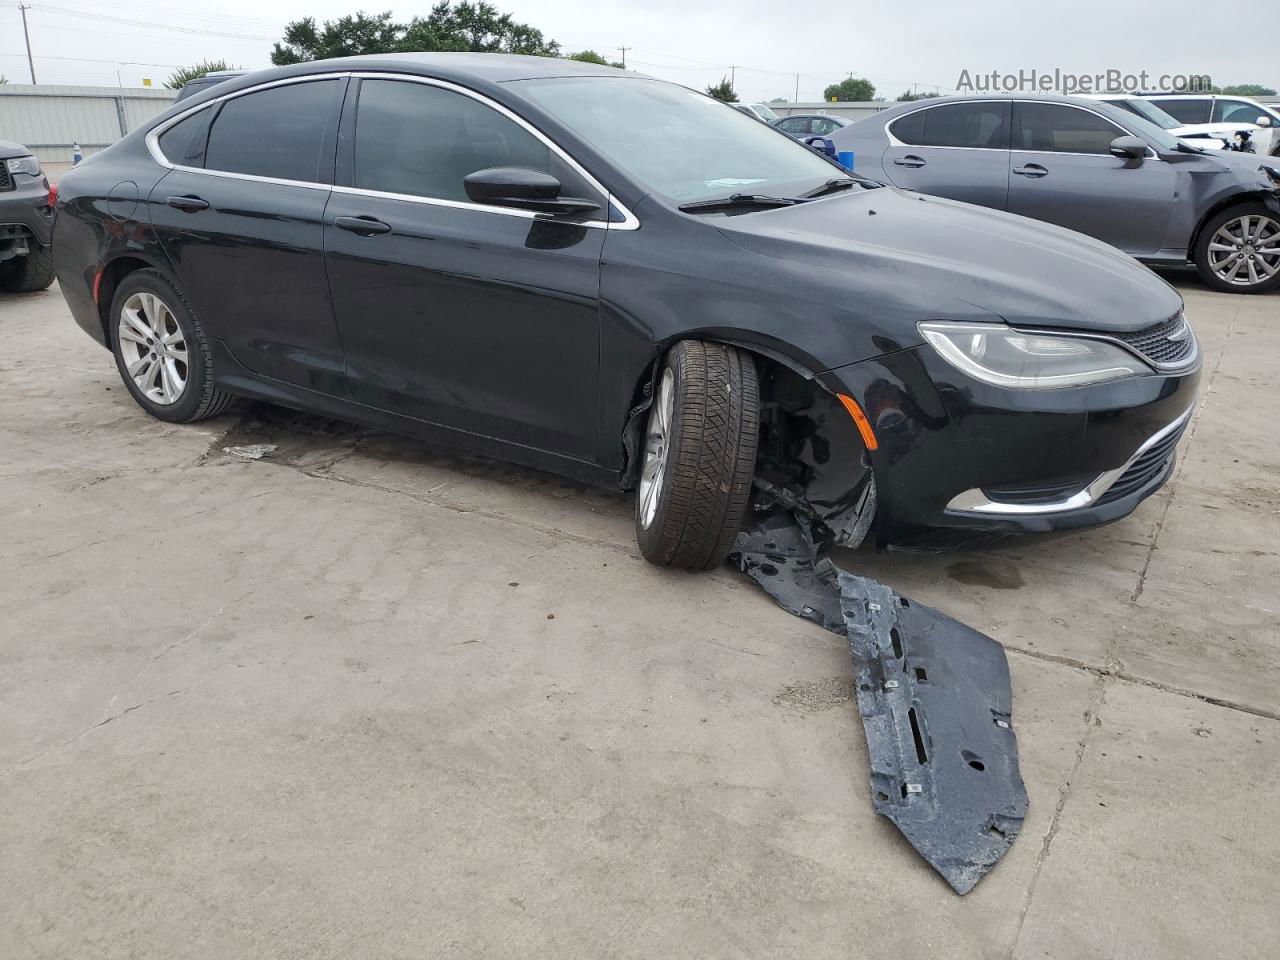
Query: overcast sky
694, 42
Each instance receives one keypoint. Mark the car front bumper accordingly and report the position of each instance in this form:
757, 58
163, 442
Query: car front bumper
962, 461
24, 210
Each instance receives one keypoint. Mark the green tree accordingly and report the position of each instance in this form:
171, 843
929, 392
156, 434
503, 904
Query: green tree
477, 27
345, 37
1248, 90
590, 56
723, 91
854, 89
184, 75
907, 96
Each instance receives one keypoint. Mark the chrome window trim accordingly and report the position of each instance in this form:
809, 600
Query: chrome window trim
895, 142
975, 501
629, 220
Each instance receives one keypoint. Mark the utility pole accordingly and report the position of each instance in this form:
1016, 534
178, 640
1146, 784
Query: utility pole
624, 56
797, 97
733, 76
30, 62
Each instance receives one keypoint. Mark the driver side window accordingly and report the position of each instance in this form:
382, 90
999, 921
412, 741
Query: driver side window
1235, 111
422, 141
1057, 128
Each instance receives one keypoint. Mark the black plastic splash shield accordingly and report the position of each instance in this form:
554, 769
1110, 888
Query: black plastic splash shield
934, 697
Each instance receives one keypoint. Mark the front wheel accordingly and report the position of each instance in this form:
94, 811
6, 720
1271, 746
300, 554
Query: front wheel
699, 456
29, 273
1239, 250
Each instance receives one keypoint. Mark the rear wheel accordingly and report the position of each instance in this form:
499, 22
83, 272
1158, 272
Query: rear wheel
699, 456
162, 351
30, 273
1239, 250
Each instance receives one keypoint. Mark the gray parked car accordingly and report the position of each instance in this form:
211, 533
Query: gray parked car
1091, 167
26, 216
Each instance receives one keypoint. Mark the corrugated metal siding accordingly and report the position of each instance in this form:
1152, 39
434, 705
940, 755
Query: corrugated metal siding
49, 119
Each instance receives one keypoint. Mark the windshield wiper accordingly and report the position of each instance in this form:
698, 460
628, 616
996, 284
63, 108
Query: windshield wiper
741, 200
840, 183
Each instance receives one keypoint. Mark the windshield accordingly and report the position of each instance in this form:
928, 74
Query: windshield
678, 143
1148, 111
764, 112
1155, 135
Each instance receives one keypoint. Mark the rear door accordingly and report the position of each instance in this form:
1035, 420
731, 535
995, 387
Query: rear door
479, 318
241, 217
1062, 171
957, 150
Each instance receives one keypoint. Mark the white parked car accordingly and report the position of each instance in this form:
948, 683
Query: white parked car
1210, 136
1212, 108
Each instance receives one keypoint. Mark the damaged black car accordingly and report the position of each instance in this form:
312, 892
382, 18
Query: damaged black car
626, 282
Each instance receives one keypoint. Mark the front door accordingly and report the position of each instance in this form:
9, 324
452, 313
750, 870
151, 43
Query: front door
1062, 171
475, 317
241, 218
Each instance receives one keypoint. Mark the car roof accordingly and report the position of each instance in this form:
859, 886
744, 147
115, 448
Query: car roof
1108, 110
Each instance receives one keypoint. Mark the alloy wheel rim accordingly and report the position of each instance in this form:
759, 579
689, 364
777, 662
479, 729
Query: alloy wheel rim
154, 348
1246, 251
657, 448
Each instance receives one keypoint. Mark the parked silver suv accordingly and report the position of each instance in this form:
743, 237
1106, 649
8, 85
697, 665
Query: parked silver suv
1091, 167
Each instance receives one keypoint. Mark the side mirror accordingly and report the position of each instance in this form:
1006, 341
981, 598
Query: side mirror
523, 188
822, 145
1263, 121
1129, 148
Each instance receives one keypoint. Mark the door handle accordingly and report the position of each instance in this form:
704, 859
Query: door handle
1032, 170
188, 204
364, 226
910, 160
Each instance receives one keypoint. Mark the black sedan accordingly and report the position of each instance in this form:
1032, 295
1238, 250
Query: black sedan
471, 248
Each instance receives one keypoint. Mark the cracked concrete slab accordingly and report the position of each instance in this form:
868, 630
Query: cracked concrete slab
365, 698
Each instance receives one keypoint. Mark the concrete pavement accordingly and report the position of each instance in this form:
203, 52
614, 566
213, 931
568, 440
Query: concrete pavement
361, 698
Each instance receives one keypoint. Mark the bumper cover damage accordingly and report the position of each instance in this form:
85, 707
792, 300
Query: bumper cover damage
934, 697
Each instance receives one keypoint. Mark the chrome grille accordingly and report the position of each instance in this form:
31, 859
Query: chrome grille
1152, 464
1155, 342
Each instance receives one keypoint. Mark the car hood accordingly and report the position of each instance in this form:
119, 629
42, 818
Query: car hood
949, 257
9, 149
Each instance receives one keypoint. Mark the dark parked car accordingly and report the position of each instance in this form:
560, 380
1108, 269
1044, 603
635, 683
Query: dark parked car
810, 125
203, 83
26, 214
470, 247
1092, 167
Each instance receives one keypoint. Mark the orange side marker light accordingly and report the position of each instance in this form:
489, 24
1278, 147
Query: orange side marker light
860, 418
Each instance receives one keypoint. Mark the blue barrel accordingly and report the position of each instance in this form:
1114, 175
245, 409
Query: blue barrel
845, 159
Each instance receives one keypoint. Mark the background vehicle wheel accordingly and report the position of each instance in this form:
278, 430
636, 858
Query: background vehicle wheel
1239, 250
161, 350
699, 456
28, 274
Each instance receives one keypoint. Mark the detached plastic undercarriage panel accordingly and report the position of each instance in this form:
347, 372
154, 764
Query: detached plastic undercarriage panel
933, 694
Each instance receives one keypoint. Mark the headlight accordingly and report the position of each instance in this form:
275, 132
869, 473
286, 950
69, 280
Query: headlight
1271, 173
996, 354
28, 165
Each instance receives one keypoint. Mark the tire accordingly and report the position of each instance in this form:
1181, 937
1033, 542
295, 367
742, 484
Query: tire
154, 301
1226, 229
694, 494
30, 273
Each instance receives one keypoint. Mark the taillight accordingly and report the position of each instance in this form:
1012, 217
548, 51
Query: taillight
53, 195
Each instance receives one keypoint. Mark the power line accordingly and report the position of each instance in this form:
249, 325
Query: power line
61, 11
126, 63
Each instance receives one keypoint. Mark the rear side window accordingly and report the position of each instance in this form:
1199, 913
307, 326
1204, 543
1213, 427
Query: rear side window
183, 143
796, 126
1056, 128
979, 125
1186, 110
278, 132
421, 140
